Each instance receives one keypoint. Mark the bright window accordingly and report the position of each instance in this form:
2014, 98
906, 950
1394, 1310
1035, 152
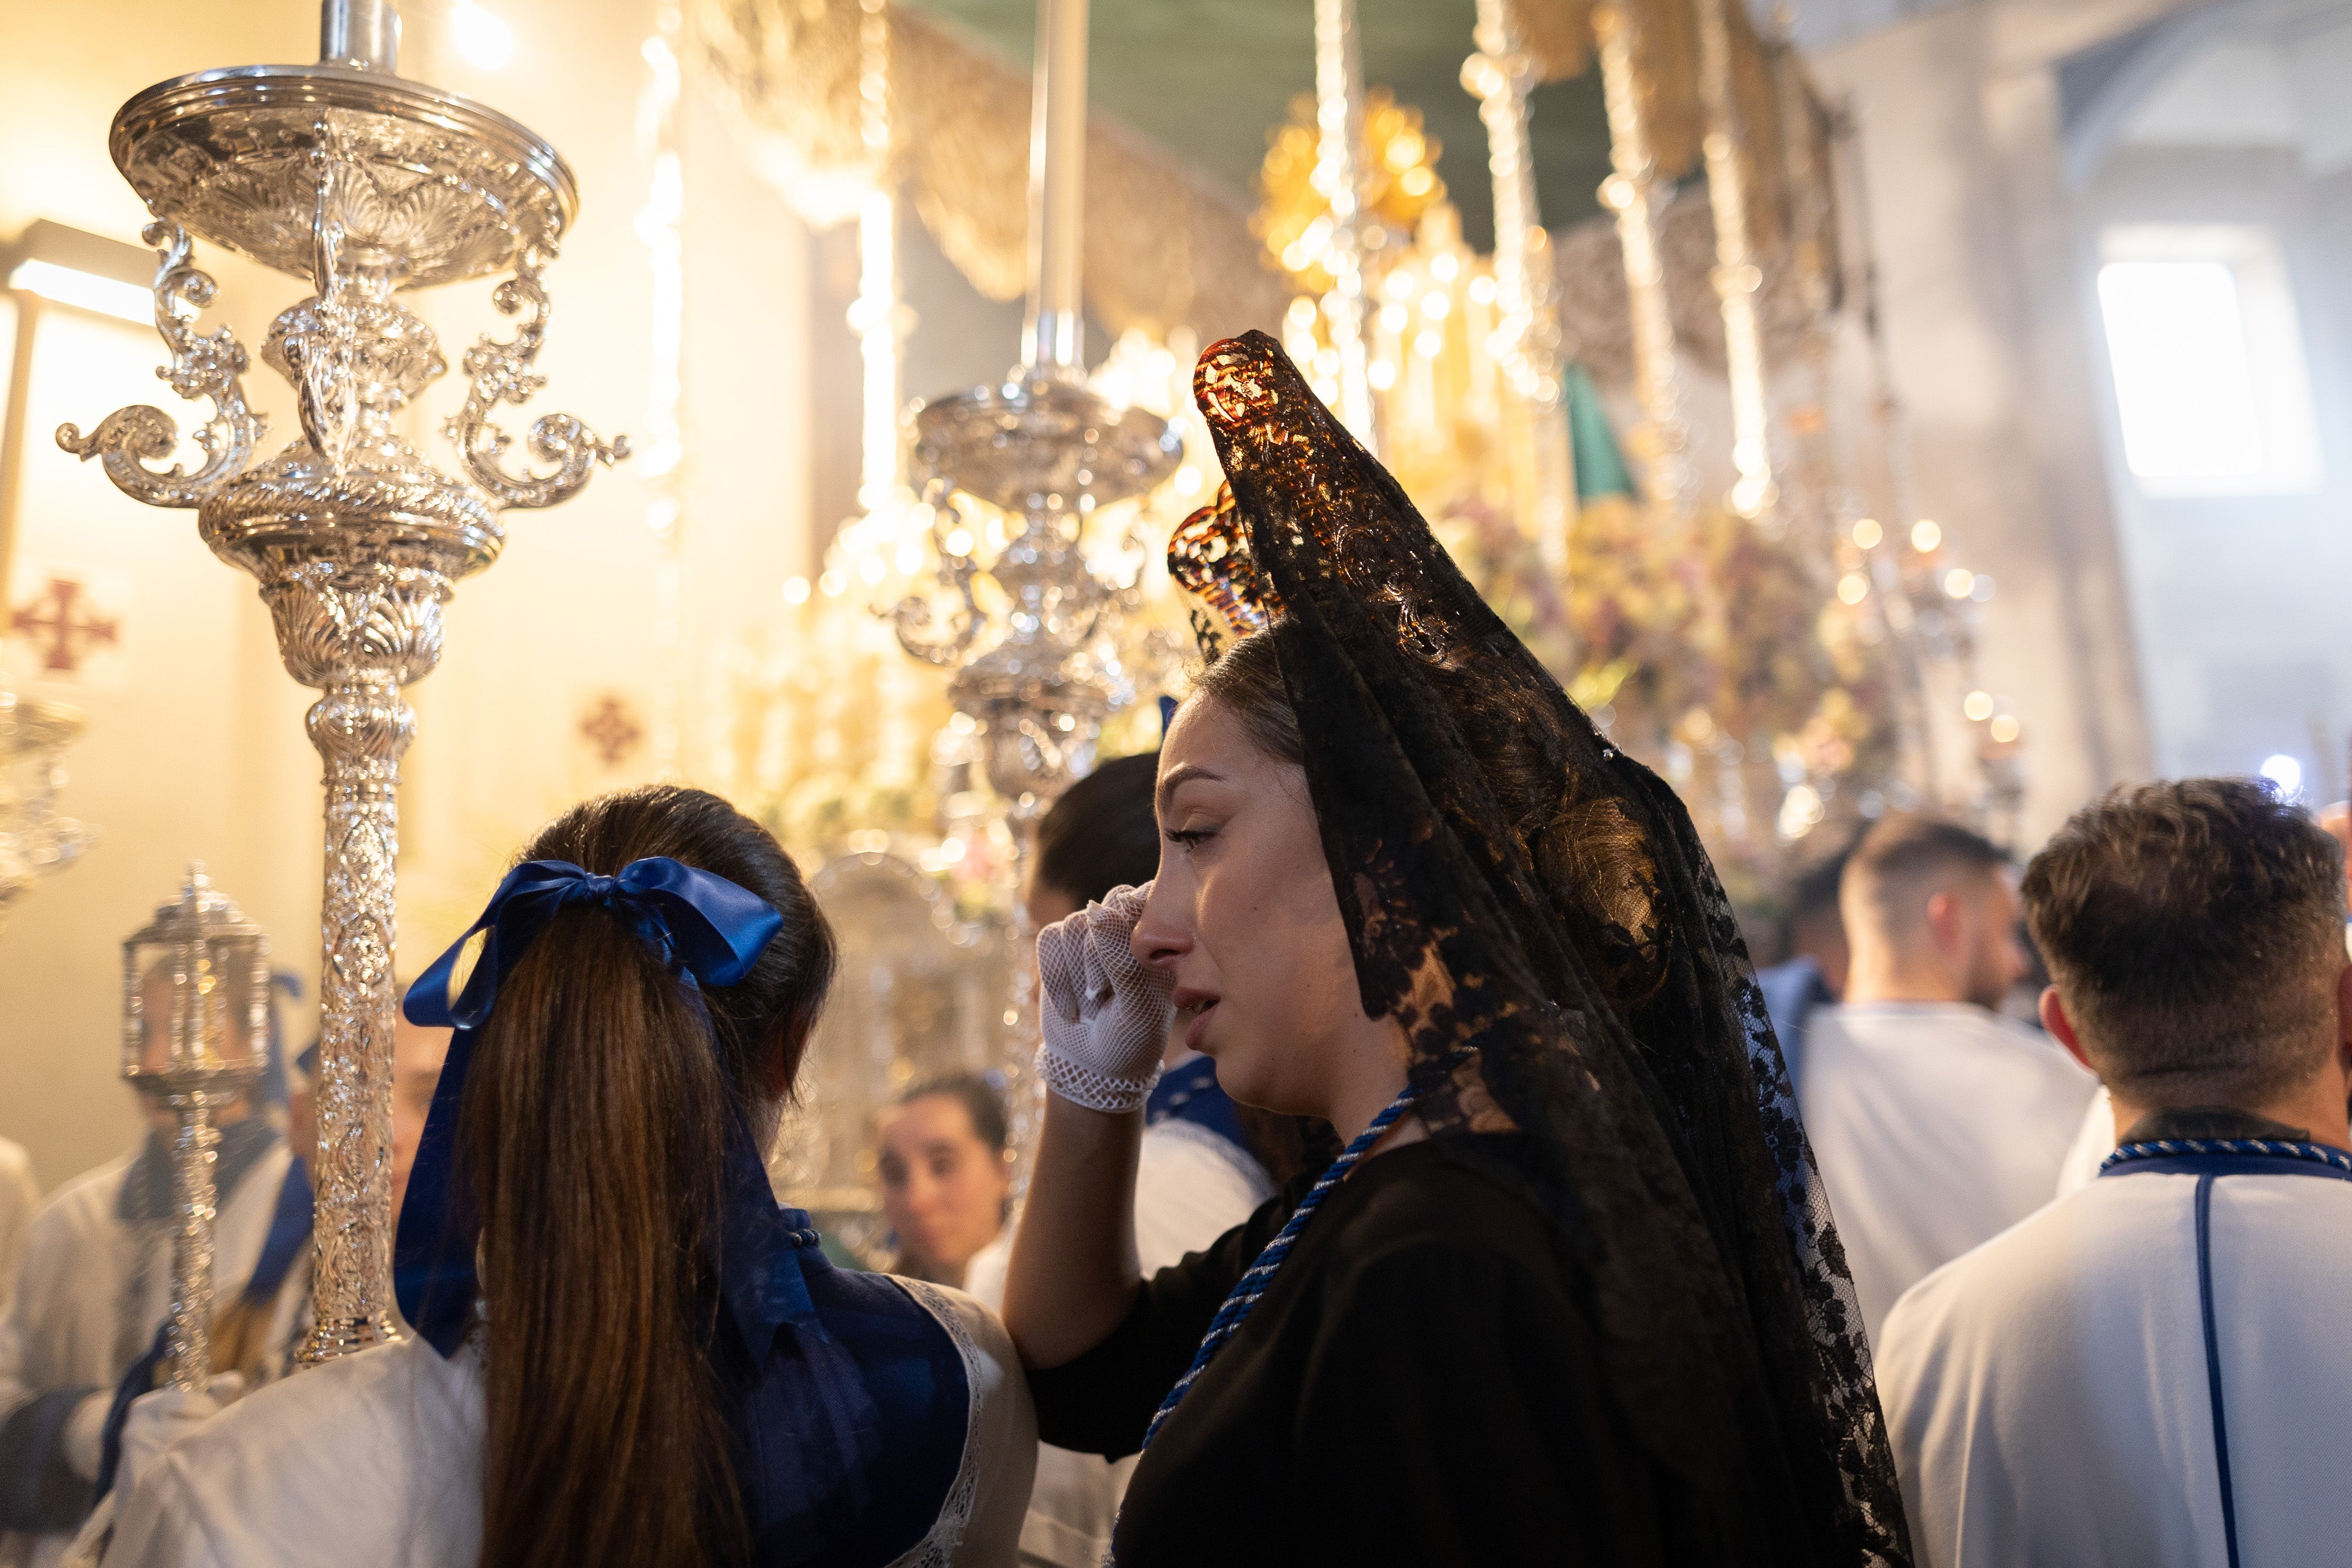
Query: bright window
2208, 360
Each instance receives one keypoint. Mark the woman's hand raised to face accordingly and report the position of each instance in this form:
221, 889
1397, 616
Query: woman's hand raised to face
1105, 1016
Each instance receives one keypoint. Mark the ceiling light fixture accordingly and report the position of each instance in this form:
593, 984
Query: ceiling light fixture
87, 271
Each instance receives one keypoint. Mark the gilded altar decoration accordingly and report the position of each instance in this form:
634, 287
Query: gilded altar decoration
1741, 640
364, 185
1713, 594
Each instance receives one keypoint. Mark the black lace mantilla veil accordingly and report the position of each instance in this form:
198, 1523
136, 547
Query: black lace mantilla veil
1536, 909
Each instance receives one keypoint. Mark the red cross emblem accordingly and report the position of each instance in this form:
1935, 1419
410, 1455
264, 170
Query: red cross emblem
60, 621
611, 729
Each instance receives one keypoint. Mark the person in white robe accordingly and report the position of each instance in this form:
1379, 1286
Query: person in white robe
92, 1289
376, 1458
20, 1195
1196, 1177
1936, 1122
261, 1333
602, 1359
2094, 1142
2152, 1371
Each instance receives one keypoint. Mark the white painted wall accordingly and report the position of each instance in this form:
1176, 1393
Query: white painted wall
1979, 250
2240, 594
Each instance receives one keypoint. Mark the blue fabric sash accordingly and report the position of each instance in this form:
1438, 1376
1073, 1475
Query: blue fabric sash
290, 1228
2207, 1159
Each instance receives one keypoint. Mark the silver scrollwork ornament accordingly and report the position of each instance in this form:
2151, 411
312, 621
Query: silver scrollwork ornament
366, 185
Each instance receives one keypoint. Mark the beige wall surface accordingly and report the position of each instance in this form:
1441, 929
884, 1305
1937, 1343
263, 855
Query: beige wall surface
196, 747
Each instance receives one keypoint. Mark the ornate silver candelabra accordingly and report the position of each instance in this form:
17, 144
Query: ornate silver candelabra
1046, 451
366, 185
33, 839
196, 1031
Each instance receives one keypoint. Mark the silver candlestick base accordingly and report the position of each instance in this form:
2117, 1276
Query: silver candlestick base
364, 185
1047, 451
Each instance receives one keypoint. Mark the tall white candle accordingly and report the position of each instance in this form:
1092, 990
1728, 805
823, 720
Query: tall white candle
1053, 338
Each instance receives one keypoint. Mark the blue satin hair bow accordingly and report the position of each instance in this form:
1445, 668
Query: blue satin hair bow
709, 932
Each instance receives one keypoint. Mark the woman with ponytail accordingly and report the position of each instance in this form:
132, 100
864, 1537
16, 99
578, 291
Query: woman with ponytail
626, 1353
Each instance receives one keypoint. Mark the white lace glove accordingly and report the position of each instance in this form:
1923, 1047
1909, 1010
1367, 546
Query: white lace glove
1105, 1016
159, 1419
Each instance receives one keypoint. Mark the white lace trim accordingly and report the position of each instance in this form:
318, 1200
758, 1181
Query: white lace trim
938, 1546
1095, 1090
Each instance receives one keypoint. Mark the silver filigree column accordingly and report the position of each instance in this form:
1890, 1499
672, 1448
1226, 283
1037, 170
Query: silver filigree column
1046, 451
1343, 173
364, 185
1663, 439
1737, 277
196, 1031
1528, 343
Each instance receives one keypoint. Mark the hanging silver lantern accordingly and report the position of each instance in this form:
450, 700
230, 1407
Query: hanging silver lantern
195, 1036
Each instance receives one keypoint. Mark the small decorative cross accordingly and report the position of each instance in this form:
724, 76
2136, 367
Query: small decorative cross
70, 637
611, 729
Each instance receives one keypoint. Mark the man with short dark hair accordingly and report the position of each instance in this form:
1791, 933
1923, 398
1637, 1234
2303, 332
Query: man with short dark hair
1936, 1122
2152, 1370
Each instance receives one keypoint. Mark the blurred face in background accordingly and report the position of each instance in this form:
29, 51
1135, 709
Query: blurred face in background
1046, 903
417, 1053
2337, 821
1992, 957
943, 1187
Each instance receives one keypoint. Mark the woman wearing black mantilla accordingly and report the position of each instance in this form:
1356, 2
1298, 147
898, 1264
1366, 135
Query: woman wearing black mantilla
1571, 1291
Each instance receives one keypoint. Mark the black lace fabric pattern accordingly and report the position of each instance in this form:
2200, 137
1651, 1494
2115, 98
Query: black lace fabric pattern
1536, 909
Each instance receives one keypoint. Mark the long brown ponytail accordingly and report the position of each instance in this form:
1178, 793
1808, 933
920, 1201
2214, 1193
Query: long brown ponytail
593, 1130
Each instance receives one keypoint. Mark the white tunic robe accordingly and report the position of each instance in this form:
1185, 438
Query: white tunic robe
20, 1195
93, 1290
2048, 1399
2092, 1146
375, 1460
1937, 1125
1191, 1188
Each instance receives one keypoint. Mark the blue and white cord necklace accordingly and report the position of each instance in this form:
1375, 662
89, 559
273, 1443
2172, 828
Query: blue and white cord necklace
1252, 1286
2271, 1148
